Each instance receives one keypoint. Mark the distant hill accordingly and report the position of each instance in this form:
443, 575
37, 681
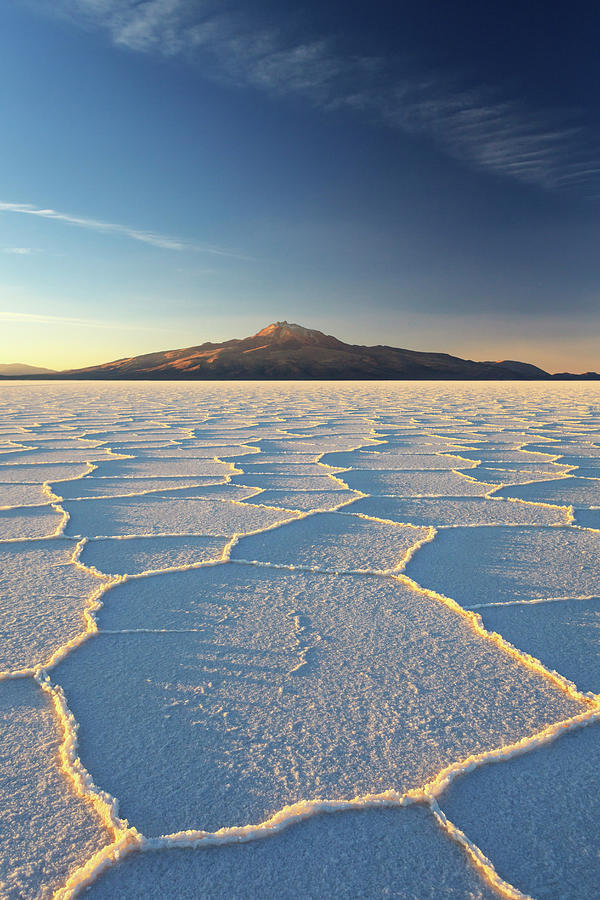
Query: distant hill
17, 369
291, 352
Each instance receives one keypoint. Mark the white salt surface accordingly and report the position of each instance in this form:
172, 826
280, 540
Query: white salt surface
286, 481
563, 634
120, 556
459, 511
44, 456
536, 816
42, 601
306, 500
29, 522
382, 459
509, 564
145, 467
91, 486
22, 495
217, 691
39, 474
160, 515
372, 853
335, 542
414, 484
257, 687
514, 476
571, 491
45, 830
588, 518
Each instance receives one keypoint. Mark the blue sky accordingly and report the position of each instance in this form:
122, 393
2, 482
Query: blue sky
420, 174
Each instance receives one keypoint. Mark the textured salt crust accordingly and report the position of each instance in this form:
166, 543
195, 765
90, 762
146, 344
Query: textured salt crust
160, 516
144, 468
460, 511
44, 457
250, 469
302, 482
23, 495
568, 491
514, 476
370, 853
250, 695
573, 448
456, 427
543, 803
495, 458
588, 472
561, 632
289, 460
42, 601
380, 459
119, 556
188, 451
91, 486
334, 542
509, 564
30, 522
588, 518
307, 501
414, 484
45, 830
40, 474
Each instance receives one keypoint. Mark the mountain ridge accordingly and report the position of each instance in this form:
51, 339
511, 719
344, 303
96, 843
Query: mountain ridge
16, 370
288, 351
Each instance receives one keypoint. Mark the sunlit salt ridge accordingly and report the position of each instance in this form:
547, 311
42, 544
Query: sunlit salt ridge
243, 608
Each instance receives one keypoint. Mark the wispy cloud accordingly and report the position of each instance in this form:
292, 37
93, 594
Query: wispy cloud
19, 251
47, 319
147, 237
475, 126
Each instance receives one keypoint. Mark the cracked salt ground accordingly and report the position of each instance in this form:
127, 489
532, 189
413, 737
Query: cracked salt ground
334, 542
300, 482
22, 495
307, 501
30, 522
506, 565
380, 459
563, 633
40, 474
458, 511
127, 487
536, 816
244, 687
515, 476
414, 484
255, 688
45, 830
160, 515
42, 600
119, 556
145, 467
588, 518
370, 853
43, 456
569, 491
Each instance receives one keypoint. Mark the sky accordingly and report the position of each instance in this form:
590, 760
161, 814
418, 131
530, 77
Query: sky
413, 173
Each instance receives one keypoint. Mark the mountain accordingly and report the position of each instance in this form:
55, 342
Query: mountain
17, 369
521, 369
288, 352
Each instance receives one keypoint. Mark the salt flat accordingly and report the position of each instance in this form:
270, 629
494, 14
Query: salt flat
299, 640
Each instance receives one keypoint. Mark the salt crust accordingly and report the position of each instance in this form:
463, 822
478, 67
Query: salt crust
158, 427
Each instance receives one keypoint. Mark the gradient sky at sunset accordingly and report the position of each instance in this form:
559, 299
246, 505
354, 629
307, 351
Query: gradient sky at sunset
421, 174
